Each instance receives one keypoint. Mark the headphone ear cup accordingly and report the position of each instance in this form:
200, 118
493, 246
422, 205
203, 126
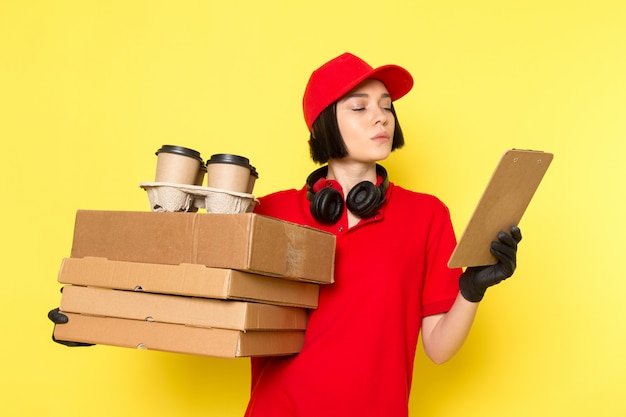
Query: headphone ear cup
364, 199
327, 206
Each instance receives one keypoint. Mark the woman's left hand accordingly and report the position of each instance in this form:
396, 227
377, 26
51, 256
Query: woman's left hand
476, 279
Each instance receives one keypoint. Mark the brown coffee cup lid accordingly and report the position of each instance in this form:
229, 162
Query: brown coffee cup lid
180, 150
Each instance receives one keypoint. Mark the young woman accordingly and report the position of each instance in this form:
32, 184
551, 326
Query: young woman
391, 278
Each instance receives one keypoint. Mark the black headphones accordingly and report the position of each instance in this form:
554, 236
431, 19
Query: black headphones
364, 199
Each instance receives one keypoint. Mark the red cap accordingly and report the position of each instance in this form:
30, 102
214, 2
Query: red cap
338, 76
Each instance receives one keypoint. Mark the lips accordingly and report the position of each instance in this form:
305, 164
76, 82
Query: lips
381, 136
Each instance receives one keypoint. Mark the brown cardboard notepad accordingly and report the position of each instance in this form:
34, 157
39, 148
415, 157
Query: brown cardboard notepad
504, 201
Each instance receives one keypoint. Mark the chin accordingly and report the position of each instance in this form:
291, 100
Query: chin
381, 156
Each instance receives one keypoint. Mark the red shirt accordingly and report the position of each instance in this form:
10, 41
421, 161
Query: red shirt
390, 272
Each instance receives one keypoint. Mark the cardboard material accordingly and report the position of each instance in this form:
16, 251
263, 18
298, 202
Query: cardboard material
200, 312
247, 242
169, 197
501, 206
187, 279
177, 338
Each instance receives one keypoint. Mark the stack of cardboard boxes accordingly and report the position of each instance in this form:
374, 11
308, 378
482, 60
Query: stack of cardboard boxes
223, 285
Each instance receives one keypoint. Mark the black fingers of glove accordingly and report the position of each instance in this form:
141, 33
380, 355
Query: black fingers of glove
70, 343
505, 251
516, 234
475, 280
59, 318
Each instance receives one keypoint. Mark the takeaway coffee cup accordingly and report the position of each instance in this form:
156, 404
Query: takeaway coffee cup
178, 165
228, 172
254, 175
201, 175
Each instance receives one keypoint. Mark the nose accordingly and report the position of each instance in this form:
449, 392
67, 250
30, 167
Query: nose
380, 116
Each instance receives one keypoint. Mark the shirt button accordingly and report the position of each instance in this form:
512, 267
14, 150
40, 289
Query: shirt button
341, 229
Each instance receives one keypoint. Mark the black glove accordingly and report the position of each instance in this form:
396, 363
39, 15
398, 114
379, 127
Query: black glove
59, 318
476, 279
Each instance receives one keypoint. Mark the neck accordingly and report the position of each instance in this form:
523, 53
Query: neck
348, 174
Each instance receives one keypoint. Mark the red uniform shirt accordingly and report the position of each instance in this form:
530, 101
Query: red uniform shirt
390, 272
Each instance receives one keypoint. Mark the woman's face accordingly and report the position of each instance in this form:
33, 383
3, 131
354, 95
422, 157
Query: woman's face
366, 123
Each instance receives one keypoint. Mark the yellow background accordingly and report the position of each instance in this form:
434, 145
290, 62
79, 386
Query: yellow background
90, 89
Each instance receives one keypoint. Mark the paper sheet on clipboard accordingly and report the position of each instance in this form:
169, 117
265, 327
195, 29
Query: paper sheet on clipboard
504, 201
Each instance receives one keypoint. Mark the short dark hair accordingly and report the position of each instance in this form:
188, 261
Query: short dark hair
326, 141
